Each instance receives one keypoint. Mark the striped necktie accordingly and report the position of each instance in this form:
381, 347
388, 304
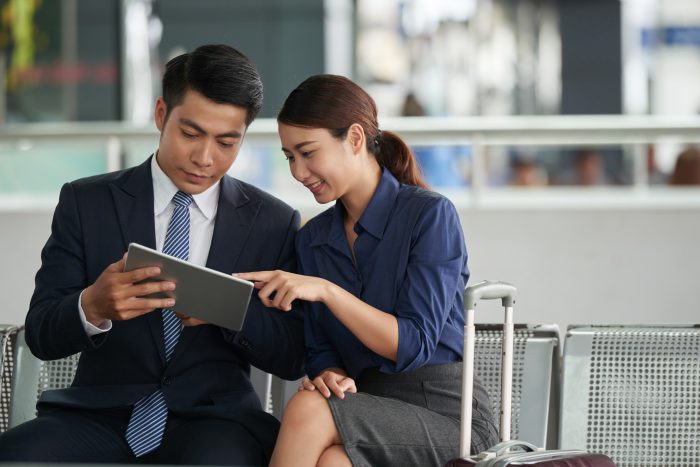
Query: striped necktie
147, 424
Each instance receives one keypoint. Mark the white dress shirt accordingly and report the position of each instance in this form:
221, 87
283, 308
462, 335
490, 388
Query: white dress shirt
202, 217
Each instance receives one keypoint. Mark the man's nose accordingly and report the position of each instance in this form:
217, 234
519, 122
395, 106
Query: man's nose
203, 155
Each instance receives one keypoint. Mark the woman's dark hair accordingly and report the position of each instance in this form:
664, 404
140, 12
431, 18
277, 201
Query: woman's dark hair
219, 73
335, 103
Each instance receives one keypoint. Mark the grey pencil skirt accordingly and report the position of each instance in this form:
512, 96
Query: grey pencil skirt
410, 419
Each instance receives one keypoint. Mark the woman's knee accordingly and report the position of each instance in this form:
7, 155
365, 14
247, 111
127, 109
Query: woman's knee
305, 406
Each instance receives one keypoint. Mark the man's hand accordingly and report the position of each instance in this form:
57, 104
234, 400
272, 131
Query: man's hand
330, 379
116, 296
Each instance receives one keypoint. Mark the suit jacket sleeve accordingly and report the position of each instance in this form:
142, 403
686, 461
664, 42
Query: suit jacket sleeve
53, 326
273, 340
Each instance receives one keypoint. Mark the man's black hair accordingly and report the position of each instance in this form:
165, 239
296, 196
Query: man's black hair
219, 73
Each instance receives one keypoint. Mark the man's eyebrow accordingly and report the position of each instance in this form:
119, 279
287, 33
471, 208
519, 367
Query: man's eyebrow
229, 134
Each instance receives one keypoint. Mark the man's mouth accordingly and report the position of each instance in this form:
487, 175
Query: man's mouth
194, 176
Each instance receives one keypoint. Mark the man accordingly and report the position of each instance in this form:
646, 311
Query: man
148, 390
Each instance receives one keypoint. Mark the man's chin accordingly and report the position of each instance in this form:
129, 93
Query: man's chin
193, 188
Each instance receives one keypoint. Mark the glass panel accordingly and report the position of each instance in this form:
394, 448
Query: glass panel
445, 166
532, 166
35, 168
135, 152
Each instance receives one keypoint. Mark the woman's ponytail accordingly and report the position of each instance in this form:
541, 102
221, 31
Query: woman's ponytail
396, 156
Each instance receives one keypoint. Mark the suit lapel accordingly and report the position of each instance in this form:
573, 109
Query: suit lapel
133, 200
234, 219
235, 216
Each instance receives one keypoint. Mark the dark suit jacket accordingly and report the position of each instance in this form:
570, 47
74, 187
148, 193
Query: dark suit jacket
95, 220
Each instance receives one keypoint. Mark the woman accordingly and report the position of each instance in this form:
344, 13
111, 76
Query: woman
384, 271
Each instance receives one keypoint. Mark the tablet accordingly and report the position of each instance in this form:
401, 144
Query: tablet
200, 292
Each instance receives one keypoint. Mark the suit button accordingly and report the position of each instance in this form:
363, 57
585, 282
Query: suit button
245, 343
165, 381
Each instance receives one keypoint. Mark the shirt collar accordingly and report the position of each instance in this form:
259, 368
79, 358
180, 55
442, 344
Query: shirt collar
164, 189
374, 218
376, 215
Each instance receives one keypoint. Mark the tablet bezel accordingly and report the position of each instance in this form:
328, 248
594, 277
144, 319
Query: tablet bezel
201, 293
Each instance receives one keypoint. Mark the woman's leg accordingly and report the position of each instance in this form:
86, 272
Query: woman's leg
334, 456
308, 431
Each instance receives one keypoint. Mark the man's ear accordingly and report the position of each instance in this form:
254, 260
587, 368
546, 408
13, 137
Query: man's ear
160, 113
356, 137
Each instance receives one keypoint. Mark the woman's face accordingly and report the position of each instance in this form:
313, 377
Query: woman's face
323, 164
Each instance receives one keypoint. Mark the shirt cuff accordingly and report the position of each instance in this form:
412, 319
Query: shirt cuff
410, 354
91, 329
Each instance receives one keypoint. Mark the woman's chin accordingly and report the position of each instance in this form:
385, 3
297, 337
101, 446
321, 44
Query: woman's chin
323, 198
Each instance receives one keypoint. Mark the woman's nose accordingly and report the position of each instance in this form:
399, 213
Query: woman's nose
299, 171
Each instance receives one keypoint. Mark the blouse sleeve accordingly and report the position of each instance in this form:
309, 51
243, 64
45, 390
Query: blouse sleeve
320, 353
435, 274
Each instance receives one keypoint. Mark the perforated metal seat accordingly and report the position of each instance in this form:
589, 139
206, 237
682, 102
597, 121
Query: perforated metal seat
262, 383
8, 333
535, 399
633, 393
33, 376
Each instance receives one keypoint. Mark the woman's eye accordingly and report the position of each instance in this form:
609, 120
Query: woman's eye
306, 153
289, 158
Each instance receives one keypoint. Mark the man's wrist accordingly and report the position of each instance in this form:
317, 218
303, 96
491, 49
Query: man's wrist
86, 308
91, 329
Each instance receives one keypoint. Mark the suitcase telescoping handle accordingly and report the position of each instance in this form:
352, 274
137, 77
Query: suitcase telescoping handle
486, 290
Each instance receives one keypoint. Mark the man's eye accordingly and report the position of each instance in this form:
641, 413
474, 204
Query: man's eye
188, 135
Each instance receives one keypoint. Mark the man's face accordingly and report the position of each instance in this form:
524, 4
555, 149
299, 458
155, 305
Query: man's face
199, 141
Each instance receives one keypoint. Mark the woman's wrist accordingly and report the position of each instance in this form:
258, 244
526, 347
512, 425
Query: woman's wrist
334, 369
329, 291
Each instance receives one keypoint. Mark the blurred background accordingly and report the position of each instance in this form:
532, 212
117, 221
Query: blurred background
565, 131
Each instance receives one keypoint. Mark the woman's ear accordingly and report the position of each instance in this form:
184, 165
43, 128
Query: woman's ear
356, 137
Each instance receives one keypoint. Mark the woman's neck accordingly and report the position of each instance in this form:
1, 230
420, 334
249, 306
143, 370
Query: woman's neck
356, 200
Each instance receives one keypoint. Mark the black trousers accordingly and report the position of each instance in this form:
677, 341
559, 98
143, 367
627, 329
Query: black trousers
61, 435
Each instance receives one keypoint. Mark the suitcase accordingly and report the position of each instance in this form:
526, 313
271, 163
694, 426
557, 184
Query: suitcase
507, 452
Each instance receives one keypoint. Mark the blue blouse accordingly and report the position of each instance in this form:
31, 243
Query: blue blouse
411, 261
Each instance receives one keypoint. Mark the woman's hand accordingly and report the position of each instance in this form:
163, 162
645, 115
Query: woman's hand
279, 288
189, 321
330, 380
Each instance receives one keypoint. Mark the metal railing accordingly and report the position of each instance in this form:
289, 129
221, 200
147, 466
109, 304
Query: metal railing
481, 133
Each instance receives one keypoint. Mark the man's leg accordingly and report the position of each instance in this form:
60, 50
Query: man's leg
211, 442
68, 436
